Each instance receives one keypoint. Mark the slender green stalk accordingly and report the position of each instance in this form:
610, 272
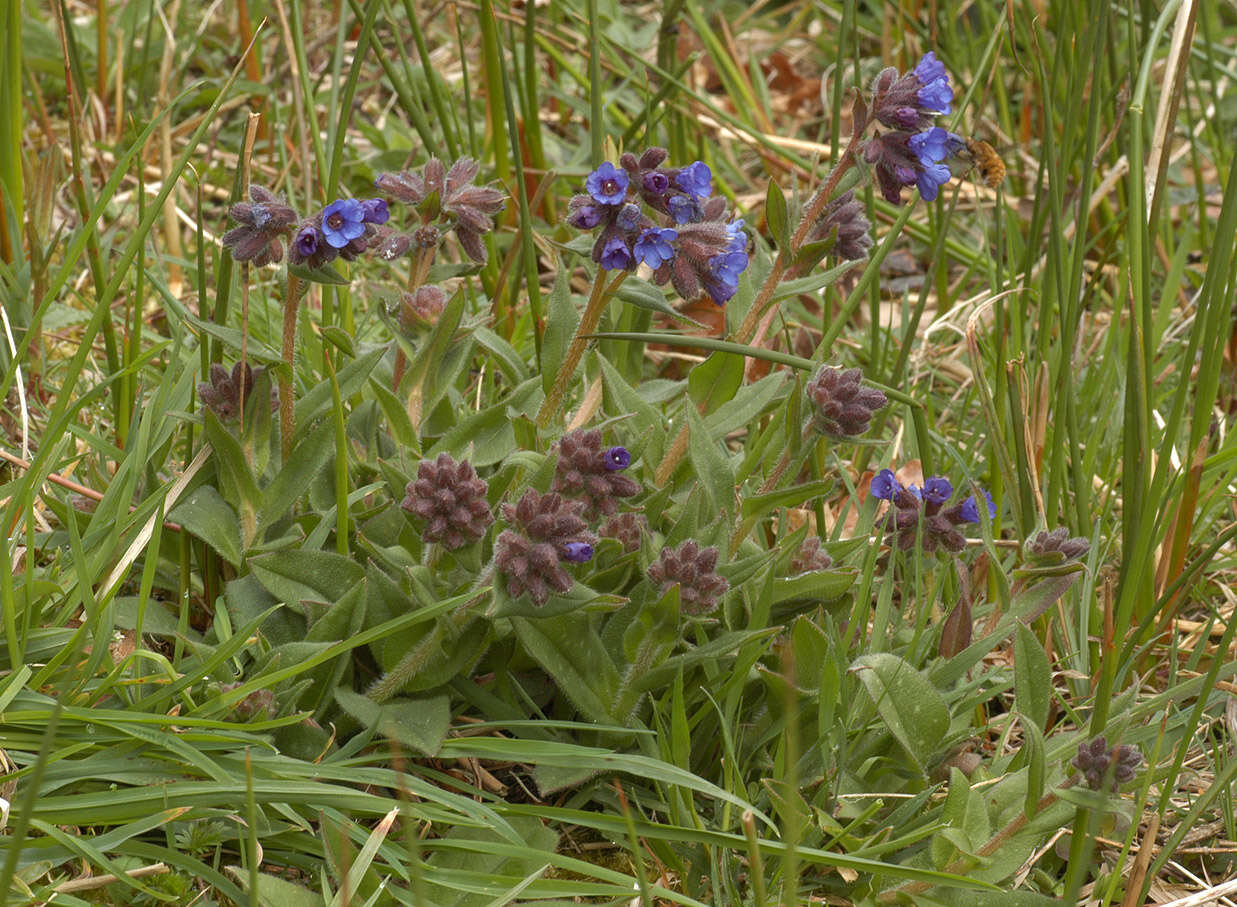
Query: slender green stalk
12, 184
287, 418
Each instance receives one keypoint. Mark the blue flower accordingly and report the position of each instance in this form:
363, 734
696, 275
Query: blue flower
617, 459
931, 145
885, 485
615, 256
696, 179
738, 239
585, 215
307, 241
607, 184
725, 270
342, 222
933, 177
628, 217
654, 246
929, 69
375, 210
935, 92
578, 552
937, 490
683, 209
656, 182
970, 508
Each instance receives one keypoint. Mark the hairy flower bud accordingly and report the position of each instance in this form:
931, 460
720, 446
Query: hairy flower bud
628, 528
263, 222
810, 557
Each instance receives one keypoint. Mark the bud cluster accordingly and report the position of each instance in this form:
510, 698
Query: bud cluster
1046, 549
450, 498
226, 393
587, 471
842, 404
546, 531
692, 568
1099, 763
447, 199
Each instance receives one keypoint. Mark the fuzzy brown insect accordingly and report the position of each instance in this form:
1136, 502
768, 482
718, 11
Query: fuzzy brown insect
991, 167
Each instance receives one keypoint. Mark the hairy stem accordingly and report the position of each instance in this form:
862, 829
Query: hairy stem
601, 295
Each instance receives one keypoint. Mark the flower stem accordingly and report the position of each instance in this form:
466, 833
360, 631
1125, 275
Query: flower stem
286, 421
782, 268
601, 295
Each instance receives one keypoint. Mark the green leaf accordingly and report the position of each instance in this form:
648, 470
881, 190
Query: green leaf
319, 399
747, 404
297, 575
711, 465
819, 585
570, 651
715, 381
489, 431
397, 417
776, 215
247, 599
644, 295
420, 724
912, 709
340, 339
561, 322
758, 505
325, 275
239, 486
276, 892
208, 516
1037, 765
308, 457
1032, 677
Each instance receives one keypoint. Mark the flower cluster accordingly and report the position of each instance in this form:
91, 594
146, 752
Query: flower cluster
842, 404
665, 218
344, 229
547, 531
916, 507
450, 498
225, 394
692, 567
447, 199
1099, 763
586, 471
913, 151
